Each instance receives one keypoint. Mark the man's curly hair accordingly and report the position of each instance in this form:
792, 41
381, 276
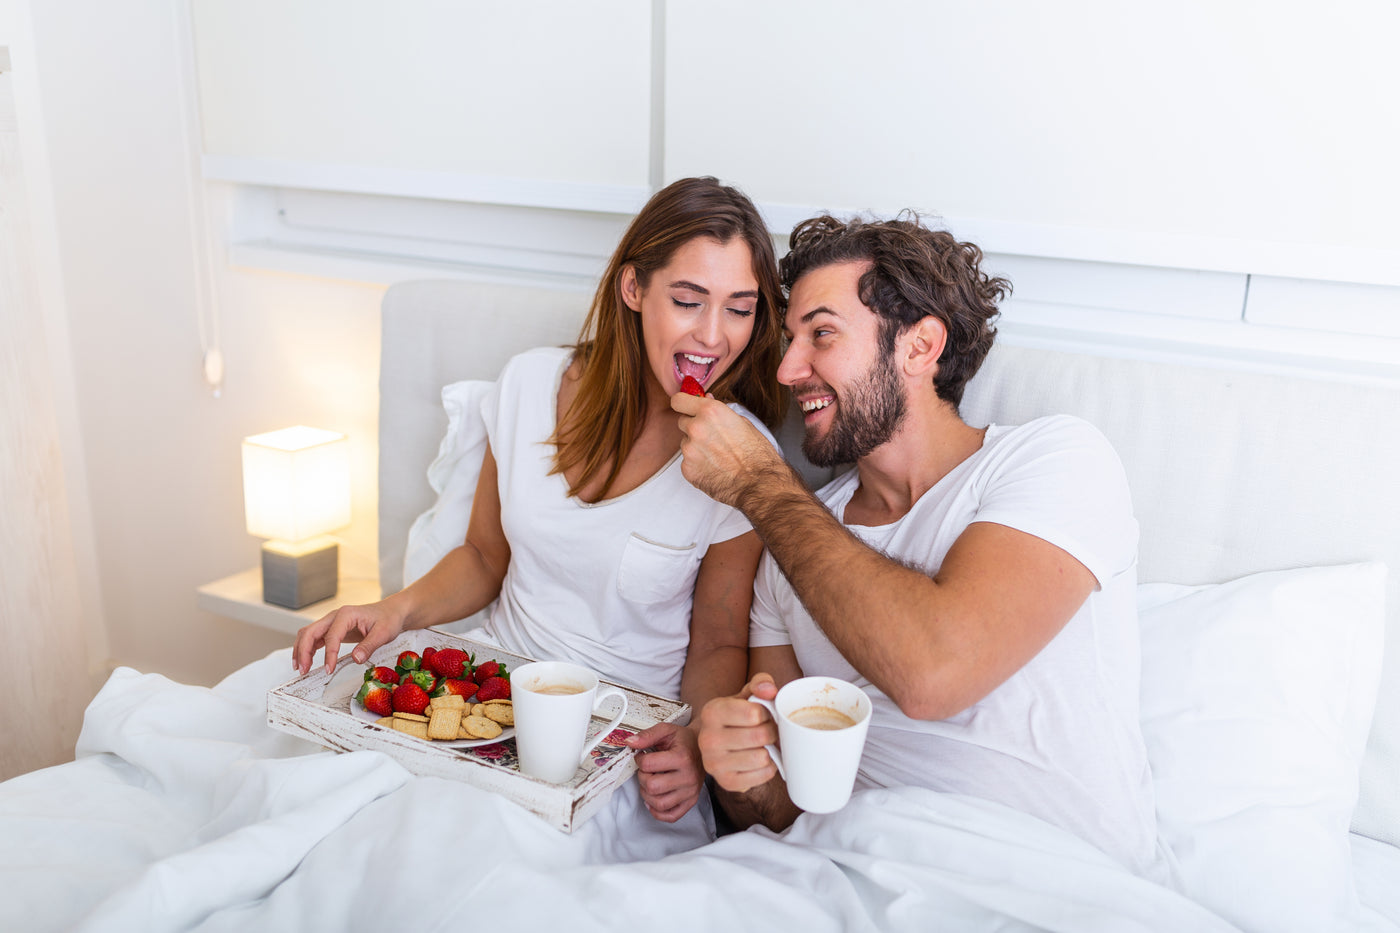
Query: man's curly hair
915, 272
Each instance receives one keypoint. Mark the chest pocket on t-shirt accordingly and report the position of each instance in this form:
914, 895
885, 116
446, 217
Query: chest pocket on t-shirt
652, 572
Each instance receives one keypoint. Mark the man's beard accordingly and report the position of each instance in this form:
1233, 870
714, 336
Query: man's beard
867, 415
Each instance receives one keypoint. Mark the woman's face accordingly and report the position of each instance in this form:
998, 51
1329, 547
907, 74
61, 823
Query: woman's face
697, 311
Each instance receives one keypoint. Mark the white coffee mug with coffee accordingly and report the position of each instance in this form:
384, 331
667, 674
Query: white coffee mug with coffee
554, 702
822, 723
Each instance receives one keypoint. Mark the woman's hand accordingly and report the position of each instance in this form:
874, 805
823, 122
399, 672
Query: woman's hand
669, 772
372, 626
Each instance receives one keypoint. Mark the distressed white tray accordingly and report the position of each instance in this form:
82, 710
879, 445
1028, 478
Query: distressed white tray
316, 706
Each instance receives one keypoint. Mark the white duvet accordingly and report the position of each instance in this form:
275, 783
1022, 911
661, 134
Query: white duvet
184, 810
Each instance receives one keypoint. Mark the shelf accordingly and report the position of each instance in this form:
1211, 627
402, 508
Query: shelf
240, 597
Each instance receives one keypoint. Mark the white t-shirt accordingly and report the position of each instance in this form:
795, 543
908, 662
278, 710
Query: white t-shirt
1060, 739
609, 584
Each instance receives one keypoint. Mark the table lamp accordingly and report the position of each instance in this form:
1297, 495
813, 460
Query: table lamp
296, 488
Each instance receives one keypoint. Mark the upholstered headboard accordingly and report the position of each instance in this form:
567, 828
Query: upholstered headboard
1233, 472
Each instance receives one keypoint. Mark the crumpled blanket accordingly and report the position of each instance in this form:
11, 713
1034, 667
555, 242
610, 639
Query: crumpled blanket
185, 811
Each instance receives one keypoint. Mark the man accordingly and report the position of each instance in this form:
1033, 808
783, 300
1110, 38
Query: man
978, 583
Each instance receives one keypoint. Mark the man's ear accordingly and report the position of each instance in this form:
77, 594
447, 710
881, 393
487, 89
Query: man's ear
923, 345
630, 288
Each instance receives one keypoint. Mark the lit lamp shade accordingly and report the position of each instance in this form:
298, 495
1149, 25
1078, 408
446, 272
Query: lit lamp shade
296, 488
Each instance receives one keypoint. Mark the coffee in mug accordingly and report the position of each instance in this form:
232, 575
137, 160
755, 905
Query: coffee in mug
821, 717
822, 723
559, 690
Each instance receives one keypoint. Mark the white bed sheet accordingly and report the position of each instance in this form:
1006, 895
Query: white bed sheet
185, 811
1376, 868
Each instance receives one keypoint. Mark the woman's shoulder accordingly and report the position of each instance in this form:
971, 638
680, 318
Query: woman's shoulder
540, 357
535, 365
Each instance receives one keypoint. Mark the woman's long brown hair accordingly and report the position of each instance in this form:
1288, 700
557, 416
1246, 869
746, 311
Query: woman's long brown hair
607, 415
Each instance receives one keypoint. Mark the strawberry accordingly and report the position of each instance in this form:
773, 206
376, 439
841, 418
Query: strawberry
424, 679
385, 675
376, 697
691, 386
410, 698
448, 662
408, 661
488, 669
460, 687
428, 653
493, 688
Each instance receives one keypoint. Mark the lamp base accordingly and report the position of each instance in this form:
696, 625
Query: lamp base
297, 575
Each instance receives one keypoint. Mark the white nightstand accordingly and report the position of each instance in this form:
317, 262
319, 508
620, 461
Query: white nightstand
240, 597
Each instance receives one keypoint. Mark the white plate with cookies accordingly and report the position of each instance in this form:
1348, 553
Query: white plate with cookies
472, 724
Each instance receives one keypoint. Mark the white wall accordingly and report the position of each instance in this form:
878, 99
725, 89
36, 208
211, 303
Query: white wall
159, 453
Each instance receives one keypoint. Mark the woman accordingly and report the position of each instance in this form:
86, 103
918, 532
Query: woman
583, 529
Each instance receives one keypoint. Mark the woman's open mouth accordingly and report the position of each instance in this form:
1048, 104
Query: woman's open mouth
695, 366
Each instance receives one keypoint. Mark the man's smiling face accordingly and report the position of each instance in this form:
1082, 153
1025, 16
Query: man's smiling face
851, 396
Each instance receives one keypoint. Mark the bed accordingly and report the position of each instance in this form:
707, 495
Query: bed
1271, 710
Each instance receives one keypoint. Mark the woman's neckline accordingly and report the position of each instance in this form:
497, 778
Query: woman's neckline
581, 502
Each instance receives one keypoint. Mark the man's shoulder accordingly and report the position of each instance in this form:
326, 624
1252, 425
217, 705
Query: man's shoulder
1051, 432
1053, 424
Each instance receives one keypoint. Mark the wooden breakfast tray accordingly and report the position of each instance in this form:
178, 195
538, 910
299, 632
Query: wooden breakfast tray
316, 706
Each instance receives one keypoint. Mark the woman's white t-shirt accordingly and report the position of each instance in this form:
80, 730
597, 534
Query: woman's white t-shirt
1060, 739
607, 584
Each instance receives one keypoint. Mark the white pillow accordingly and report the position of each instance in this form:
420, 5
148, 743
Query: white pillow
453, 476
1257, 698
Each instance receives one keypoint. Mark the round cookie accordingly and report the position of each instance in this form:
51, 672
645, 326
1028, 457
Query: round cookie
500, 711
479, 727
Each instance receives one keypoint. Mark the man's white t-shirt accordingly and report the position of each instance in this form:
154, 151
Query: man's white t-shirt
1060, 739
610, 584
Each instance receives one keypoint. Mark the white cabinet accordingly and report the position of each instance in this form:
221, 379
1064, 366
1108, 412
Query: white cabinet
1238, 138
545, 103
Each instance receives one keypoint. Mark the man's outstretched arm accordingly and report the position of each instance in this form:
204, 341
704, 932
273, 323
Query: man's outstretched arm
934, 644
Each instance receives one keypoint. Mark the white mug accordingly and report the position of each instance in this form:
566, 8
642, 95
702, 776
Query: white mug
822, 723
554, 701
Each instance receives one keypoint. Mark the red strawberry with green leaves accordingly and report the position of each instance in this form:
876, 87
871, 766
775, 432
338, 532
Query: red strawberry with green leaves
376, 697
493, 688
691, 386
449, 662
385, 675
461, 687
410, 698
424, 679
408, 661
428, 653
488, 669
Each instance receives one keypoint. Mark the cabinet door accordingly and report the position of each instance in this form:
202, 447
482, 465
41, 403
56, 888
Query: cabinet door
432, 97
1192, 133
